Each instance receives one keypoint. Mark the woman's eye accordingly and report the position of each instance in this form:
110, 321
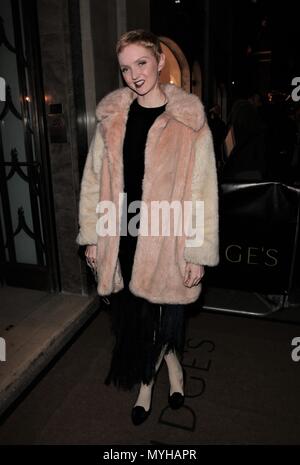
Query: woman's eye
124, 70
142, 63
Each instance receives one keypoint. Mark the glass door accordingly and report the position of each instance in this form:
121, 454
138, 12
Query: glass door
28, 251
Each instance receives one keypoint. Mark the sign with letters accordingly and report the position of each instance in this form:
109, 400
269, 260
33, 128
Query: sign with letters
258, 237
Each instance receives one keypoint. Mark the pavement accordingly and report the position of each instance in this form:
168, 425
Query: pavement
35, 326
242, 387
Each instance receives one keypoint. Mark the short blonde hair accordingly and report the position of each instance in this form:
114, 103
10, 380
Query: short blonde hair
140, 37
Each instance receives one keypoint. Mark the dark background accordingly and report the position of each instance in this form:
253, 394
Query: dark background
234, 34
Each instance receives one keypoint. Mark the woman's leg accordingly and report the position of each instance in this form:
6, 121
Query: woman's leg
175, 370
144, 396
171, 335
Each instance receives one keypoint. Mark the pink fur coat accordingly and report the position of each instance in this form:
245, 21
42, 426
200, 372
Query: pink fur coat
179, 166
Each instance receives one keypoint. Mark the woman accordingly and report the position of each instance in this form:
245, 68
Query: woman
152, 143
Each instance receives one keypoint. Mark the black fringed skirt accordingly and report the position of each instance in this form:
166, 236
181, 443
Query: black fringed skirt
141, 329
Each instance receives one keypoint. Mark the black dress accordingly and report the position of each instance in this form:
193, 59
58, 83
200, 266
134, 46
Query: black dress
141, 328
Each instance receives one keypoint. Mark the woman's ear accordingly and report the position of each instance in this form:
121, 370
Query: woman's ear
162, 61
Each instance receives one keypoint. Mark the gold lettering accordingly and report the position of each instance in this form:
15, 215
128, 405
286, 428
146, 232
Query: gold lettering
251, 255
272, 257
227, 253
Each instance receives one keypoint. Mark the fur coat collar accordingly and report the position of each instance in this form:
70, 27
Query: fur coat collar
181, 106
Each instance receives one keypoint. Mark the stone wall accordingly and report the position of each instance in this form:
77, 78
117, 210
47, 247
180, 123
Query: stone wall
79, 67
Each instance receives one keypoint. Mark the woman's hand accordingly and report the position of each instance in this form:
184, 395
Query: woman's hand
91, 256
193, 274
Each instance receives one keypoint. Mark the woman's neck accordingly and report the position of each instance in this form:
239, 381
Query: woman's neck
155, 98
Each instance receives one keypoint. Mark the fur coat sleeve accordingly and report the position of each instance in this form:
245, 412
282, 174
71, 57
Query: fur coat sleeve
205, 188
89, 191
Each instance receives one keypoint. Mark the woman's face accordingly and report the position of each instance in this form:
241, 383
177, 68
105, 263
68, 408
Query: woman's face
140, 68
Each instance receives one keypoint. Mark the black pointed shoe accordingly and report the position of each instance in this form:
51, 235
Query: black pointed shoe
139, 414
176, 400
